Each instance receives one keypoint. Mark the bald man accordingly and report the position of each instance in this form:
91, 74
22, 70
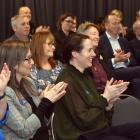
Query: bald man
24, 10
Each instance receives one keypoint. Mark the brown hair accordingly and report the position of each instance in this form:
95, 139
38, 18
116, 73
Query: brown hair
13, 52
117, 13
62, 18
73, 43
38, 40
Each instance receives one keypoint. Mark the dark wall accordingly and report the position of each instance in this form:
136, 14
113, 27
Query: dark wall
46, 12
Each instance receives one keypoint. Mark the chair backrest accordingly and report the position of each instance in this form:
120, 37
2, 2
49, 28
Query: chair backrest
52, 130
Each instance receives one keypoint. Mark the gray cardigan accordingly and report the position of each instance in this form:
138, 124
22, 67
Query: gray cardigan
21, 124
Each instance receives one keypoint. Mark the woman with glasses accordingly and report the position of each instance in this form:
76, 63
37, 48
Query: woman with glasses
28, 113
45, 69
66, 26
4, 109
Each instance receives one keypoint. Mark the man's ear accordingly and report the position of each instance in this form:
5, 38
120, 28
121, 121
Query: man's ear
14, 28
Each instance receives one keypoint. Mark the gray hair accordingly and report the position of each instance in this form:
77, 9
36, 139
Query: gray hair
14, 20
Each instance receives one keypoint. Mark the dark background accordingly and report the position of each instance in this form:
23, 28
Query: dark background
46, 12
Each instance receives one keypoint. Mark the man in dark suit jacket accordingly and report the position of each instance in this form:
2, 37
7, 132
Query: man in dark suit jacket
135, 43
117, 57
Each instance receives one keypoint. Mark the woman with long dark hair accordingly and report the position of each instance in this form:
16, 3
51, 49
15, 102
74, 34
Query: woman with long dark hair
28, 113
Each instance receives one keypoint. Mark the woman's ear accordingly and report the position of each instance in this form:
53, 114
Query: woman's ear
16, 67
74, 54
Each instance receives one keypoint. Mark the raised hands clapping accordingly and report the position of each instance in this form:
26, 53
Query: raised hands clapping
114, 89
4, 78
55, 92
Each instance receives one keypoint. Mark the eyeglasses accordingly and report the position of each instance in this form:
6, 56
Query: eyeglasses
29, 60
70, 21
50, 44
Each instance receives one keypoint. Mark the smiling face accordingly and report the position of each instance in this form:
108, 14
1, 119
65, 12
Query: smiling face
48, 48
84, 58
93, 34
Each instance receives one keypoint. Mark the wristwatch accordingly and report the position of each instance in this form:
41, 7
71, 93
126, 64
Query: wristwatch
1, 97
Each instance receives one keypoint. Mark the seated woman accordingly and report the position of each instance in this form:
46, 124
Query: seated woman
99, 74
4, 110
66, 26
45, 69
83, 111
27, 112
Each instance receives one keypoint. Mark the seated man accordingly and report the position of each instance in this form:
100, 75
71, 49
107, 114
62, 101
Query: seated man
117, 57
135, 43
26, 11
21, 27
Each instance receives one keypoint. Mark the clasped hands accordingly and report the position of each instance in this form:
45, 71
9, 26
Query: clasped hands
121, 56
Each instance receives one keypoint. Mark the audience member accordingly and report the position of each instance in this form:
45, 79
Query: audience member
4, 109
131, 34
100, 77
119, 15
28, 113
135, 43
26, 11
21, 27
45, 69
117, 57
138, 15
82, 111
66, 25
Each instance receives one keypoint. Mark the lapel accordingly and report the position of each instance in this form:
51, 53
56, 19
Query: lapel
108, 49
122, 45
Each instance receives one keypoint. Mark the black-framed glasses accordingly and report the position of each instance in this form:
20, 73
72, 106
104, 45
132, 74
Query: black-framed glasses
29, 59
51, 44
69, 21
